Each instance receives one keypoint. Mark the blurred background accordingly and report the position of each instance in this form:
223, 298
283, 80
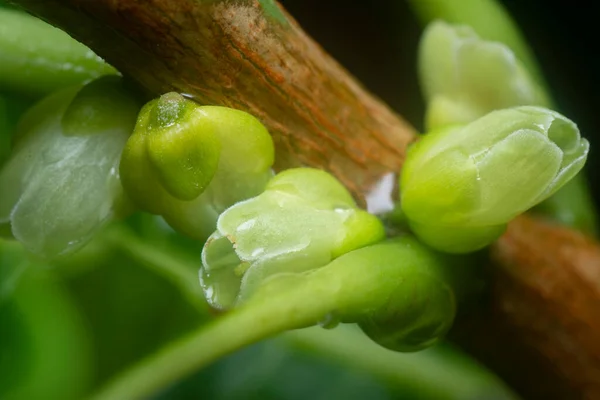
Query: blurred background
80, 321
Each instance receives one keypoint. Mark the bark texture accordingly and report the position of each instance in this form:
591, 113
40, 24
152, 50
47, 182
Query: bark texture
540, 326
252, 56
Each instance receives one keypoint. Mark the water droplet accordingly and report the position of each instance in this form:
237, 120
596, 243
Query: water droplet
330, 321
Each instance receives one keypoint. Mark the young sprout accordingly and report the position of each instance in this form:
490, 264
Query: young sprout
188, 162
460, 186
464, 77
61, 182
304, 219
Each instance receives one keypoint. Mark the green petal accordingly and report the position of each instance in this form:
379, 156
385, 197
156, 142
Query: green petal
437, 53
136, 171
473, 76
24, 158
457, 239
513, 174
87, 113
245, 142
185, 153
62, 188
188, 162
218, 277
315, 186
272, 224
445, 189
288, 229
361, 229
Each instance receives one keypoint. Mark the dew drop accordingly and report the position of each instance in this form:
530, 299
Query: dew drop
330, 321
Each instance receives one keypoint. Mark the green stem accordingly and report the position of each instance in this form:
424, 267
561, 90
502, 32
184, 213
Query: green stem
394, 280
445, 375
38, 59
244, 326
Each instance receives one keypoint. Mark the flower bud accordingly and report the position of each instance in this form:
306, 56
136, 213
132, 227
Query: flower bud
61, 182
464, 77
188, 162
401, 293
420, 308
460, 186
171, 153
303, 220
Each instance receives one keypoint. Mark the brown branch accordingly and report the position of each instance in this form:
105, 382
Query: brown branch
230, 53
540, 328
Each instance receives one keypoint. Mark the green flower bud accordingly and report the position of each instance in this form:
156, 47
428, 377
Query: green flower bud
420, 309
172, 152
460, 186
188, 162
304, 219
61, 182
402, 294
464, 77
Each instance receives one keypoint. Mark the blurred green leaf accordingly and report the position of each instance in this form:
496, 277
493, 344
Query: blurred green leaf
37, 58
13, 264
12, 106
44, 347
274, 370
130, 310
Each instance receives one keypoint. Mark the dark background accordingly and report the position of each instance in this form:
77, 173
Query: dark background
377, 40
